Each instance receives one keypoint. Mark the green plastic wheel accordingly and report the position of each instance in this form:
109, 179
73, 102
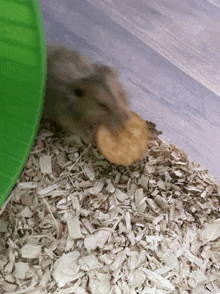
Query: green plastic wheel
22, 85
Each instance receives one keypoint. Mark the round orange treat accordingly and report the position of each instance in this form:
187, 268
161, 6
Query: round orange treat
126, 145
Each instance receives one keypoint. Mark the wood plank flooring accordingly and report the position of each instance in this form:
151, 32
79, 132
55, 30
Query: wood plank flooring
168, 56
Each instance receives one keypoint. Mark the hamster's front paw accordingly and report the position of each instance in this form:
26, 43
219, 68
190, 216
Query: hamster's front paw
88, 136
154, 133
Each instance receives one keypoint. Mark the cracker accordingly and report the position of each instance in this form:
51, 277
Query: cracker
126, 145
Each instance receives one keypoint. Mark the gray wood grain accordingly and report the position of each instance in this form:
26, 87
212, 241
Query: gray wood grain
169, 40
215, 2
167, 53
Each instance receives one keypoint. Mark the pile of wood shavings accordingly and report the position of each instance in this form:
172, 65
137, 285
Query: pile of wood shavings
75, 223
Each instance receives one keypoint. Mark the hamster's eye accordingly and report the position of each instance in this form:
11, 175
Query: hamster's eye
78, 92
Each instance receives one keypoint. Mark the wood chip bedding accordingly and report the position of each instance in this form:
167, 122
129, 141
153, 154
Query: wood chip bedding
74, 223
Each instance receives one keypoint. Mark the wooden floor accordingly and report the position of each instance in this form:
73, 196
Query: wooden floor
168, 56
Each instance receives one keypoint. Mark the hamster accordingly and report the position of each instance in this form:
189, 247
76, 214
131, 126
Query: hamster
81, 94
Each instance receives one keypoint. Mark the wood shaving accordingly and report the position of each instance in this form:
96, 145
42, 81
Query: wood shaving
75, 223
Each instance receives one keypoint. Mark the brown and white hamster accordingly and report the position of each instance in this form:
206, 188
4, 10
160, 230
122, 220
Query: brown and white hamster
81, 94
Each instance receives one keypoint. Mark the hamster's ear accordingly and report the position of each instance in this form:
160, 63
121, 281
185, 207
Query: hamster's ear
105, 70
114, 72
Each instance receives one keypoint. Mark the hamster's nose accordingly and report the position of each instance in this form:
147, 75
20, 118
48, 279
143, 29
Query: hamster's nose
123, 119
126, 117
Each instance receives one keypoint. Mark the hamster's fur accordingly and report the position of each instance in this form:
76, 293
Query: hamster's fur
81, 94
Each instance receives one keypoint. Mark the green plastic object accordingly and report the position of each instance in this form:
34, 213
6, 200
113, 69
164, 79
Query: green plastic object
22, 85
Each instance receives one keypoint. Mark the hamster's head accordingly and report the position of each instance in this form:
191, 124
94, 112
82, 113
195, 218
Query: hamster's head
101, 99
